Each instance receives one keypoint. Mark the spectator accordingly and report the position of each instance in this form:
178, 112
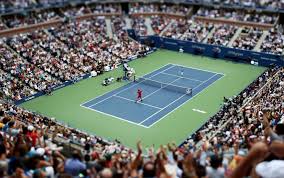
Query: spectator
74, 166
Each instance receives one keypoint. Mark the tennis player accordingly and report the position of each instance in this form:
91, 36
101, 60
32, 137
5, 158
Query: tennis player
139, 95
181, 73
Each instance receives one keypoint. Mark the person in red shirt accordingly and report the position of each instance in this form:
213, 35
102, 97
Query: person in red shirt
139, 95
32, 135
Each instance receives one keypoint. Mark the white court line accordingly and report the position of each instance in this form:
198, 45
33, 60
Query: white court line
197, 69
160, 89
205, 81
204, 89
174, 102
200, 111
82, 105
173, 65
182, 77
177, 100
134, 84
127, 88
138, 103
114, 116
161, 110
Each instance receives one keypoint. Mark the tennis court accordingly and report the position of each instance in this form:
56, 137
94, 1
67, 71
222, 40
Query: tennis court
64, 104
164, 90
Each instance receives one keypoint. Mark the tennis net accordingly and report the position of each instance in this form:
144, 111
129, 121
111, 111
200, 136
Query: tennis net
166, 86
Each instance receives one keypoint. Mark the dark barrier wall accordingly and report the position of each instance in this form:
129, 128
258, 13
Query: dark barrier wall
53, 89
238, 55
131, 33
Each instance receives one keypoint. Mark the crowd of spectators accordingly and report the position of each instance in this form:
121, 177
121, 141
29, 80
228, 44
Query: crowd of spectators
234, 133
75, 11
159, 23
39, 60
222, 34
261, 18
189, 30
119, 26
138, 24
177, 28
12, 87
19, 20
248, 38
252, 4
27, 73
14, 5
197, 32
159, 8
105, 8
269, 4
183, 29
220, 13
274, 42
25, 45
244, 138
9, 5
79, 40
45, 3
61, 51
239, 15
143, 8
48, 57
94, 44
3, 26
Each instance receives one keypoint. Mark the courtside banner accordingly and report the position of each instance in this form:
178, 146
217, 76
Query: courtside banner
214, 51
56, 87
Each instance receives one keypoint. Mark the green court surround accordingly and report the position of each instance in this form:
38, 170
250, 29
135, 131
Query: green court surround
64, 104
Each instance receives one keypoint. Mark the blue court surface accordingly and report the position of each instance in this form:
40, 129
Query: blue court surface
158, 101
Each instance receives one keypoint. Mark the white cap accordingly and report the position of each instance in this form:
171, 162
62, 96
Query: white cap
40, 151
30, 128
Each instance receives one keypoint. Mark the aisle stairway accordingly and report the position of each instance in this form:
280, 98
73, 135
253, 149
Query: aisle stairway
109, 28
237, 34
148, 23
260, 41
128, 22
167, 27
209, 35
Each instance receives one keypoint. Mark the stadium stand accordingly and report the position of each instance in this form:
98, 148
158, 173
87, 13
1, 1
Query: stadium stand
177, 28
232, 143
273, 42
248, 38
222, 35
237, 15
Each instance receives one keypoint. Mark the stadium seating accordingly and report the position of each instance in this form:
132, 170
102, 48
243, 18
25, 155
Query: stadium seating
78, 42
237, 15
273, 42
